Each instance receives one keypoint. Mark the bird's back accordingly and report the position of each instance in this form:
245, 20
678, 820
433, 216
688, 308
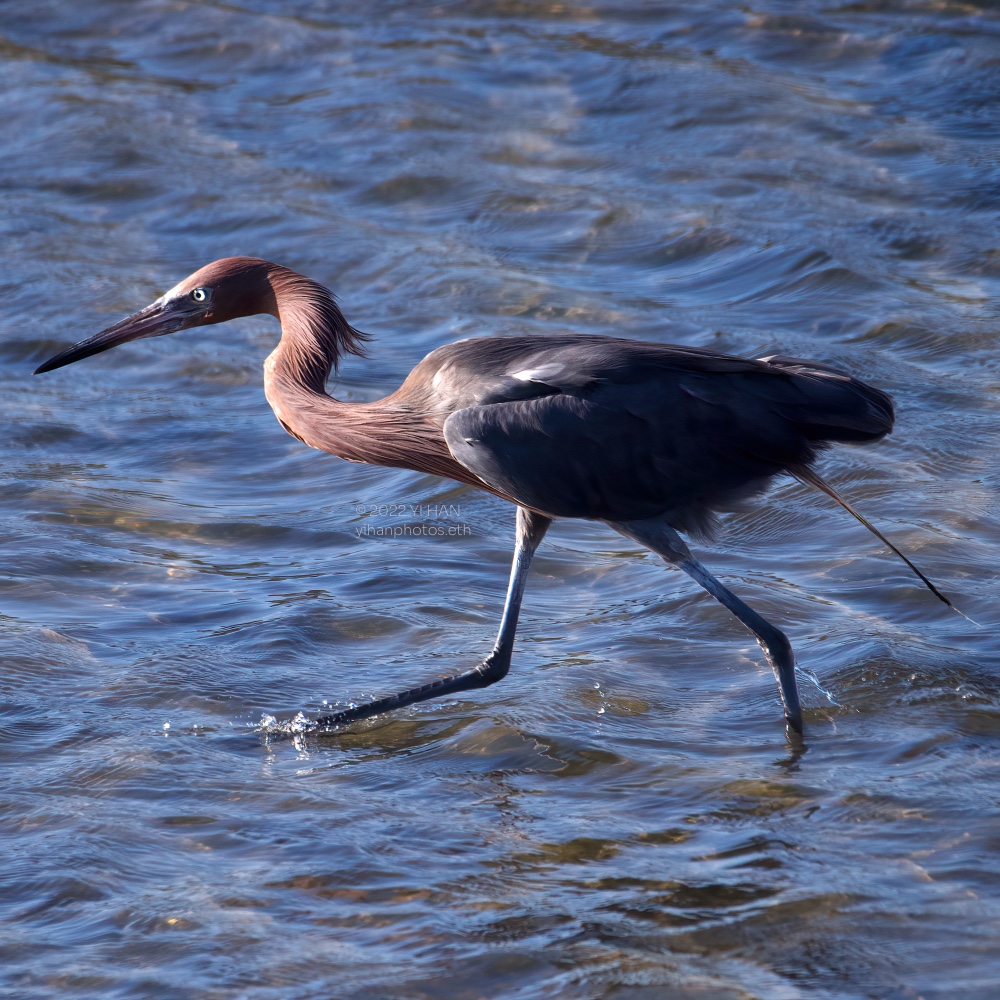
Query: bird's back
600, 427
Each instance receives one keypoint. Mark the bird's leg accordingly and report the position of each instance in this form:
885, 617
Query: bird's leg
531, 528
665, 542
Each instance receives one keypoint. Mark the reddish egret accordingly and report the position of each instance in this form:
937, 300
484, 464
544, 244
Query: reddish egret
652, 439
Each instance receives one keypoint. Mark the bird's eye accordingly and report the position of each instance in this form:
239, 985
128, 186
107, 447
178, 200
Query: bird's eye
199, 295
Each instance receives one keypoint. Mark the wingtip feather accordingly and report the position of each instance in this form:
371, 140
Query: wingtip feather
811, 478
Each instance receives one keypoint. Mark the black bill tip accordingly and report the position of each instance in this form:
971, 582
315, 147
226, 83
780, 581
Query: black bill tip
51, 365
153, 321
75, 353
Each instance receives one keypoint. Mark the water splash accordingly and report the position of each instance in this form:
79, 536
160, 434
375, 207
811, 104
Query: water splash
810, 676
270, 726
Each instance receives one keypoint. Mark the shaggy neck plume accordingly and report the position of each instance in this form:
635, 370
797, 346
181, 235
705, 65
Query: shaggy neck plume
314, 333
314, 336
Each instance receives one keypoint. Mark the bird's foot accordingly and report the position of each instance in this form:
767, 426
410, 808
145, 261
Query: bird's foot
492, 669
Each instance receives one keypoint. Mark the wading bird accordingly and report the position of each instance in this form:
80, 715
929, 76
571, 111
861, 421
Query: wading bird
652, 439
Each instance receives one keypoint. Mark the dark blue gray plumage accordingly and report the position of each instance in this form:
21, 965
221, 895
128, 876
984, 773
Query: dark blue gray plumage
652, 439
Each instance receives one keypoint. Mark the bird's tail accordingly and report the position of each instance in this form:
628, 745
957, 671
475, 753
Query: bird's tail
810, 478
833, 405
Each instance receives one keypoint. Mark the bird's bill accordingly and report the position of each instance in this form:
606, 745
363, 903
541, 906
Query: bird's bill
156, 320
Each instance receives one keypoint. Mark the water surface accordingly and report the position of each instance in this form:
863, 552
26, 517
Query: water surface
621, 818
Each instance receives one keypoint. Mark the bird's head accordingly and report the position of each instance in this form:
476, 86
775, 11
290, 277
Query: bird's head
220, 291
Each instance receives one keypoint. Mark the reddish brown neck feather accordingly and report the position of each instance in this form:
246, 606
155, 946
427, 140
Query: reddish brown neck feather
396, 431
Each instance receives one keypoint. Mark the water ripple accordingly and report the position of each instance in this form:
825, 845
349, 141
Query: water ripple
622, 817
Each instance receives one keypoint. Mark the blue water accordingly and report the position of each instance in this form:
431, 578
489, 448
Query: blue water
622, 817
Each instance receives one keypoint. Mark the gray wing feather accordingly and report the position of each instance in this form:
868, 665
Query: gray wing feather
679, 435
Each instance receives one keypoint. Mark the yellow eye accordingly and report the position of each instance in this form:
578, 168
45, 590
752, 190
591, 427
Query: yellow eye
199, 295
